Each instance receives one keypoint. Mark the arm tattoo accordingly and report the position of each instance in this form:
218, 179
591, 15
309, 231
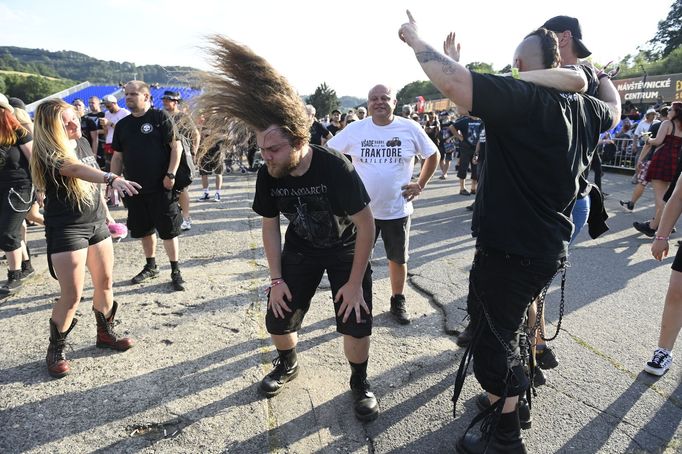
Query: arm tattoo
432, 55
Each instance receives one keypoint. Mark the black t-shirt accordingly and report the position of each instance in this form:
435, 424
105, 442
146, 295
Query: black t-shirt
536, 148
59, 211
14, 167
145, 144
318, 132
317, 204
333, 129
470, 128
95, 116
88, 125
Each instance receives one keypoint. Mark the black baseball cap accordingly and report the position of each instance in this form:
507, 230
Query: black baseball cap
171, 95
560, 24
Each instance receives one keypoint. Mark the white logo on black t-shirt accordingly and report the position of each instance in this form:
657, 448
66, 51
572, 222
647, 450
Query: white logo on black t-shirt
146, 128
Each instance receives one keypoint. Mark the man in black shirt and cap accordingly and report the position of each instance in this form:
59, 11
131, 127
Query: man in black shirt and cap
537, 146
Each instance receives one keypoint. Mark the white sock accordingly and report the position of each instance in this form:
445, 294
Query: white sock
205, 190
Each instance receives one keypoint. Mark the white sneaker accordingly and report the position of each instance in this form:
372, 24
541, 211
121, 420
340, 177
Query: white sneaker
660, 363
216, 197
186, 224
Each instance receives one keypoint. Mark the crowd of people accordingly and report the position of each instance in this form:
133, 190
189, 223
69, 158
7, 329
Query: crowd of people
341, 182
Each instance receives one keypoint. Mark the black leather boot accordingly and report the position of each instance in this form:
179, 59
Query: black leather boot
273, 383
525, 419
505, 439
365, 404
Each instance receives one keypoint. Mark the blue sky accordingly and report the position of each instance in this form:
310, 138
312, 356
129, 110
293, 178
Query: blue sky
352, 45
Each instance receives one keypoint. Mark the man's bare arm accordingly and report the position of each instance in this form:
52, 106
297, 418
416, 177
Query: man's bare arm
448, 76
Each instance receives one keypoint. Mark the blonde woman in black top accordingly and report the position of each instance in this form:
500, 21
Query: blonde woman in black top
77, 236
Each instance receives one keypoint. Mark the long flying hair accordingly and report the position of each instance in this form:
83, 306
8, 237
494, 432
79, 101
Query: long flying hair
52, 150
244, 89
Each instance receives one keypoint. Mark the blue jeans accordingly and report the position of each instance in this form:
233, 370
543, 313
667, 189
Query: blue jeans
581, 210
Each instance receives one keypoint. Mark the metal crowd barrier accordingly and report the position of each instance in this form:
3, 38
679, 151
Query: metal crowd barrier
620, 154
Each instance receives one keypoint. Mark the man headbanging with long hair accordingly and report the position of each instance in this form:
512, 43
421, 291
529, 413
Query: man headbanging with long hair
330, 224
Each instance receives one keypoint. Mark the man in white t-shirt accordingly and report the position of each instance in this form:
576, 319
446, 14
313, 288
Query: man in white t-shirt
112, 115
383, 149
642, 128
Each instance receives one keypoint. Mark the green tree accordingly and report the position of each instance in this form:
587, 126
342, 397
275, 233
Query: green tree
33, 88
669, 34
3, 87
409, 92
324, 100
480, 67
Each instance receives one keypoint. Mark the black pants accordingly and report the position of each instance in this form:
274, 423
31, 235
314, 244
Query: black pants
302, 274
501, 288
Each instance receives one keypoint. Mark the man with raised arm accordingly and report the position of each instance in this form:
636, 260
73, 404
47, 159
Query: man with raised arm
537, 146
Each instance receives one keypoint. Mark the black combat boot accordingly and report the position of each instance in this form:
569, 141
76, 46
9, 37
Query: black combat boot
286, 369
505, 438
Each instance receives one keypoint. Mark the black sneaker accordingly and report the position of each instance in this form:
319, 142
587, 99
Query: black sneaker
525, 418
27, 269
13, 283
146, 274
470, 207
273, 383
398, 309
464, 338
177, 281
629, 205
365, 404
643, 227
546, 359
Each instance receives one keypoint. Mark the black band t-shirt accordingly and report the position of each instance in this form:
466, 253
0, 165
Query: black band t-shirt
14, 167
538, 142
59, 211
317, 204
318, 131
95, 116
470, 128
145, 144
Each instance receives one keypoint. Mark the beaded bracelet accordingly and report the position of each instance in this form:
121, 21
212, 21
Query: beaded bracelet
662, 238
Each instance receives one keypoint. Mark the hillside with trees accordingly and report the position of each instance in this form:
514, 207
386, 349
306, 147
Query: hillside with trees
32, 74
80, 67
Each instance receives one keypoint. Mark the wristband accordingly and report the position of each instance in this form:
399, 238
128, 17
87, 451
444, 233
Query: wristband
275, 283
515, 73
275, 279
661, 238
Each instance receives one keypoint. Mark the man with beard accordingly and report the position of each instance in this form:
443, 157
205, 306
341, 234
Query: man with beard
146, 143
331, 227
